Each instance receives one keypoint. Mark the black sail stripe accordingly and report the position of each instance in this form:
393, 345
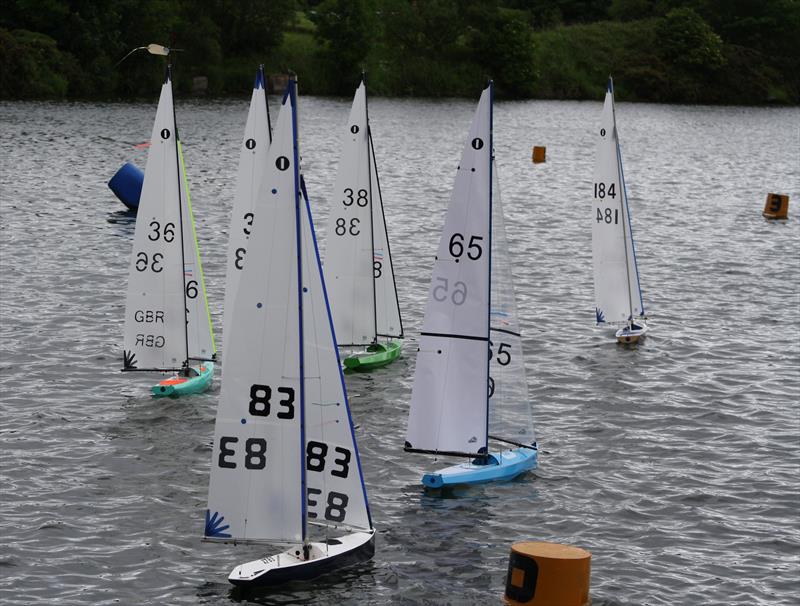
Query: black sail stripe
452, 336
508, 332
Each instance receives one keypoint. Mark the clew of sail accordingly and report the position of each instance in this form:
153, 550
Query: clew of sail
252, 165
349, 266
335, 490
255, 491
616, 276
510, 414
155, 310
449, 398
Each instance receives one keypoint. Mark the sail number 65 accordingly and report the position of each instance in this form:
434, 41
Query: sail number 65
456, 247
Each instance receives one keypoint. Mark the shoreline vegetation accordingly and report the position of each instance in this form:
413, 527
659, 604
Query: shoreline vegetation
728, 52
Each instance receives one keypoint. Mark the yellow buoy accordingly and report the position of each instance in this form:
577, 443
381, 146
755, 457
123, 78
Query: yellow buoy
538, 154
548, 574
776, 207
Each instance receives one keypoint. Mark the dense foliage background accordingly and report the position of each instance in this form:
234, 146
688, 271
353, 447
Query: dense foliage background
693, 51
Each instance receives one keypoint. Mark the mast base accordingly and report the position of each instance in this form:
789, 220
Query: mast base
181, 385
290, 565
630, 334
499, 467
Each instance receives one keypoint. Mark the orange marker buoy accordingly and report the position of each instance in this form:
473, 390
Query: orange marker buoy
547, 574
776, 207
538, 154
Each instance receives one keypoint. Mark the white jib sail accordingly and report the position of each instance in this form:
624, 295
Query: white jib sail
155, 313
616, 279
199, 333
252, 165
334, 486
387, 307
510, 410
348, 249
255, 489
449, 398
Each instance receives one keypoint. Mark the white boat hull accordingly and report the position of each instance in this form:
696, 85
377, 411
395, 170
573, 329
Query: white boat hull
290, 565
632, 333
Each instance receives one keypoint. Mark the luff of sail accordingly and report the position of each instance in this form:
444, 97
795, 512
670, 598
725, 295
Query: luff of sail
450, 394
255, 491
616, 276
155, 309
510, 416
252, 165
349, 265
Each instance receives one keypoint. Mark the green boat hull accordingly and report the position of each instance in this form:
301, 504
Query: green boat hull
376, 355
177, 385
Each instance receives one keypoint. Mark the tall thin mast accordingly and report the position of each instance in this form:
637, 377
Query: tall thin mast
266, 99
489, 252
371, 221
180, 217
622, 199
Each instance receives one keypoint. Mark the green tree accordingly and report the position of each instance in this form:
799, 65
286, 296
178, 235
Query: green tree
686, 40
345, 31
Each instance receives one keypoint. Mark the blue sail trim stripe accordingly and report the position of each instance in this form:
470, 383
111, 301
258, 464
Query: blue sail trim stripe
335, 346
292, 95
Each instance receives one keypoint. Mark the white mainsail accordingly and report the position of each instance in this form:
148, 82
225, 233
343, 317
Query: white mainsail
283, 422
449, 400
387, 307
618, 298
155, 335
256, 465
252, 165
349, 245
510, 414
199, 335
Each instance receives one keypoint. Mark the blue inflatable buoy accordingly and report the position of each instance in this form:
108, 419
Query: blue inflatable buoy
127, 184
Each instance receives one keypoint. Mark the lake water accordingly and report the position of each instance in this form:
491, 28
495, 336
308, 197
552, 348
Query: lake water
676, 463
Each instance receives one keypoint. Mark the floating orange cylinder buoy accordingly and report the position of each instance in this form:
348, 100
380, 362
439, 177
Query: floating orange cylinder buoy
776, 207
538, 154
548, 574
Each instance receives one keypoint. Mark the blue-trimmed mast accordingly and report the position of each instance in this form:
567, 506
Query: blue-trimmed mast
489, 248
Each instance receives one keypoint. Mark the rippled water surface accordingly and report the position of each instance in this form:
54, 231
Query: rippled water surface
675, 463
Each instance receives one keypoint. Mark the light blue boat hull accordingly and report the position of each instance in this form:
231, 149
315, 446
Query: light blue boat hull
176, 386
502, 466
